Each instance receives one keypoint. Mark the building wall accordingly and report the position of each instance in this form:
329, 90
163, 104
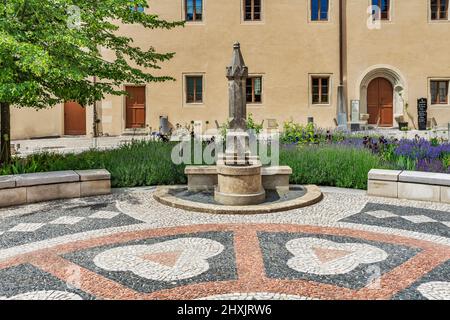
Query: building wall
29, 123
410, 44
285, 48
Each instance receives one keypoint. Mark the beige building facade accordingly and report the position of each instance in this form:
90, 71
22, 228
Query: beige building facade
298, 52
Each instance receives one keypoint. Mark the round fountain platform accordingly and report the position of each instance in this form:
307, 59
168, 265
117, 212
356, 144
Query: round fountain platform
203, 201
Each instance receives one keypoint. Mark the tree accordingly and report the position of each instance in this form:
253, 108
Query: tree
50, 52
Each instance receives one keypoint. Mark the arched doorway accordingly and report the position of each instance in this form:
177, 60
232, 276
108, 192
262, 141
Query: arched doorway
380, 102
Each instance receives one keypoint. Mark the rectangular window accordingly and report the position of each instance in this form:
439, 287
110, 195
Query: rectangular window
439, 91
319, 10
137, 8
252, 10
194, 89
384, 7
194, 10
320, 90
253, 90
439, 9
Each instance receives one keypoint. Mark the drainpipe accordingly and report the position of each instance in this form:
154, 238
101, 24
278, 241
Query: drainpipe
342, 97
94, 115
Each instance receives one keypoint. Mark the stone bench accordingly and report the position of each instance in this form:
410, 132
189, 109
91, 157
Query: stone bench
43, 186
411, 185
204, 178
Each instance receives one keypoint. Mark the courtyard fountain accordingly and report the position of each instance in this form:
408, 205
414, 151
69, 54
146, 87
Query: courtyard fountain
238, 183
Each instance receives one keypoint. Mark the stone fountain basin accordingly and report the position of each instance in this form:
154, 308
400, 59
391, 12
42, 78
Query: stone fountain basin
203, 201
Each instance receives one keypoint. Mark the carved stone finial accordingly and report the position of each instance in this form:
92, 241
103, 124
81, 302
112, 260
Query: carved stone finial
237, 68
237, 73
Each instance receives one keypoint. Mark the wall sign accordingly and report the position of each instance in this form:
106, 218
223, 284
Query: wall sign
355, 110
422, 106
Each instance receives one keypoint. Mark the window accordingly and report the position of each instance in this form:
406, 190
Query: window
439, 91
320, 90
194, 89
384, 6
252, 10
319, 10
439, 9
253, 90
194, 10
137, 9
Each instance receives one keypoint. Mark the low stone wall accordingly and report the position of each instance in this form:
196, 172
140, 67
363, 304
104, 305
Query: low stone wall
202, 178
411, 185
43, 186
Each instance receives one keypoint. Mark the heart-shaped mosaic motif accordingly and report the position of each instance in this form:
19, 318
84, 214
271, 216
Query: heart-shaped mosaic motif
44, 295
325, 257
435, 290
165, 261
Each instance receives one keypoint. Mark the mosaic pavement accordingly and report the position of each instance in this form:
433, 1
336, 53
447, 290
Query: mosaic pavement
128, 246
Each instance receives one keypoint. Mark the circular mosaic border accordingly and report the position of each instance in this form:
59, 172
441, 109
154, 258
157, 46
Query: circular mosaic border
312, 196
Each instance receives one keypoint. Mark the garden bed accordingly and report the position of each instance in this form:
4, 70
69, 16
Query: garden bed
315, 156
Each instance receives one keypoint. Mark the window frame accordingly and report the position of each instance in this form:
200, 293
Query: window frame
261, 14
438, 103
185, 89
137, 8
311, 88
310, 11
430, 18
194, 20
253, 77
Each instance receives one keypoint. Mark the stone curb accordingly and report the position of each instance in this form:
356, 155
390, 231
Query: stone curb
409, 185
44, 186
313, 195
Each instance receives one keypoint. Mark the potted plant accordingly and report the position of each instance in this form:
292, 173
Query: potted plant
402, 124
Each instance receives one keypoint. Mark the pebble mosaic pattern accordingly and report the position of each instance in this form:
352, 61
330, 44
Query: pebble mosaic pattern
128, 246
407, 218
154, 264
344, 261
26, 282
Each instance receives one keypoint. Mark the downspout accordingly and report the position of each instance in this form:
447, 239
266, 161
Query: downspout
342, 97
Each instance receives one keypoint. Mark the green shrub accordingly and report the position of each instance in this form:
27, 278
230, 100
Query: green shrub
149, 163
135, 164
337, 166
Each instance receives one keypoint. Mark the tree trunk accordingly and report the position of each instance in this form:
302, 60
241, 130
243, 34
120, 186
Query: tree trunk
5, 133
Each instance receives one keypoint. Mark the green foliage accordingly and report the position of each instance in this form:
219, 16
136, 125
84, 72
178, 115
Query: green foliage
446, 161
51, 50
298, 133
330, 165
133, 164
223, 129
252, 125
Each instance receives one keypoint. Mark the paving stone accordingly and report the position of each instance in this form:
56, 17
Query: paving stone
430, 178
384, 175
58, 191
7, 182
388, 189
422, 192
42, 178
168, 253
93, 175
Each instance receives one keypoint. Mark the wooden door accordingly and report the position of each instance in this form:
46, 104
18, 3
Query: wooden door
135, 107
380, 97
74, 119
